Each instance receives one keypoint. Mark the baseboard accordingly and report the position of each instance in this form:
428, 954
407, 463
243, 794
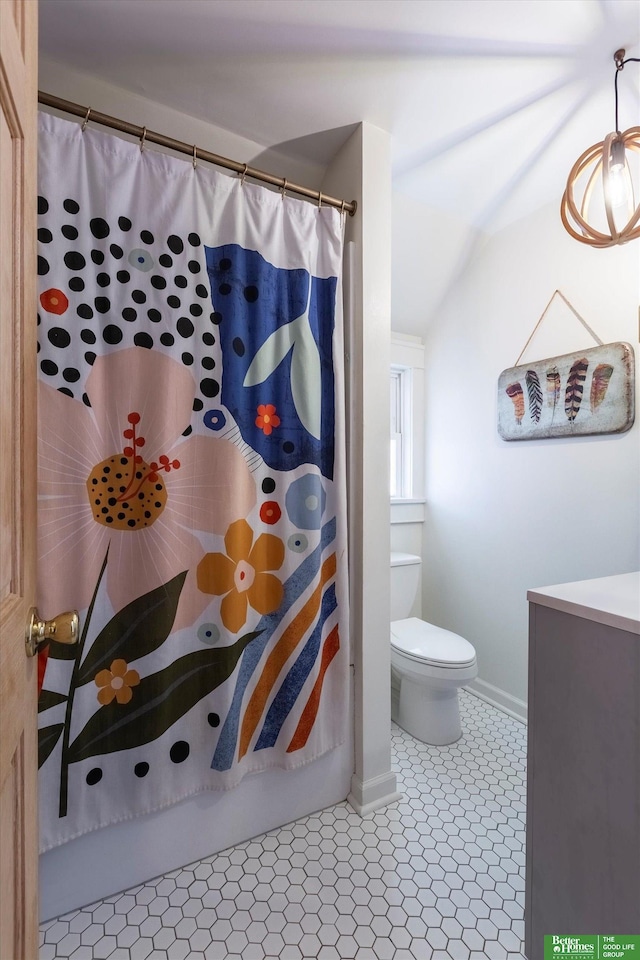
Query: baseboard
498, 698
369, 795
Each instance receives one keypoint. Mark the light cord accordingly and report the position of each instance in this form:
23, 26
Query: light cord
619, 66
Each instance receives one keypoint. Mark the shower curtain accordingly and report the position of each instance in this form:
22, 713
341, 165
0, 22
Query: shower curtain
191, 480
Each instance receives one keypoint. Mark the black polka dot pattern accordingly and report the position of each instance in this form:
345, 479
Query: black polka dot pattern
185, 327
209, 387
111, 304
112, 334
102, 304
99, 228
179, 751
59, 337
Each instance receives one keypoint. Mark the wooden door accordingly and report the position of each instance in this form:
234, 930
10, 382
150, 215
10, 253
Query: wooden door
18, 710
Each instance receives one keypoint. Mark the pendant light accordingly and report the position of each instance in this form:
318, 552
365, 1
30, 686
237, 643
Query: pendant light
601, 203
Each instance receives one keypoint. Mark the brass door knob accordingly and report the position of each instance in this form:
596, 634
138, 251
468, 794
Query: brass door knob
62, 629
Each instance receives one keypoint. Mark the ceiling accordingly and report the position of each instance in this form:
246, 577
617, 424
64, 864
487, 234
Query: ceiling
488, 102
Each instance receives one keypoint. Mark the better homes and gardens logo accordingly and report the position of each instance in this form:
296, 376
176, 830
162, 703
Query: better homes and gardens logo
593, 948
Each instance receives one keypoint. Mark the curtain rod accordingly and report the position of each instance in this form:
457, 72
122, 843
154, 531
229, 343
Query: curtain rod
196, 153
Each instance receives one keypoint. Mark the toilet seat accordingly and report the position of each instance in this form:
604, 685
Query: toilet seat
425, 643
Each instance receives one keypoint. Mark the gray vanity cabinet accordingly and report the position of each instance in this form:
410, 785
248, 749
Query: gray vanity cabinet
583, 770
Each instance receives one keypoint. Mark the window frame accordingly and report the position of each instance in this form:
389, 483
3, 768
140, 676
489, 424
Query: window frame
401, 434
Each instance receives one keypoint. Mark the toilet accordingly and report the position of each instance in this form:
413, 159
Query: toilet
428, 664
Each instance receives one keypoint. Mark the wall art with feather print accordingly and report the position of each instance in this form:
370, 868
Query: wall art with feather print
588, 392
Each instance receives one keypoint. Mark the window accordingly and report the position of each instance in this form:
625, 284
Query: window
401, 433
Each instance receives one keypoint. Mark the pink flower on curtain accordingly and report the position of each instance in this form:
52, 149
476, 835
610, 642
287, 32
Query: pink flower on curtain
119, 474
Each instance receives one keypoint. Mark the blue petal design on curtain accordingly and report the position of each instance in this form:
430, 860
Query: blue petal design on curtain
295, 679
276, 329
293, 587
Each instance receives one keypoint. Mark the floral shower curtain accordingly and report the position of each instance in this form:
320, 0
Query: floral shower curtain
191, 480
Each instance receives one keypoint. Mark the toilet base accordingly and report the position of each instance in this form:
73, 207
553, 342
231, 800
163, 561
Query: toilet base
430, 713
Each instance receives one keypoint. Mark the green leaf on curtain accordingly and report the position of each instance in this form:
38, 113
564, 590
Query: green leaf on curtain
136, 630
47, 739
158, 701
305, 373
63, 651
48, 698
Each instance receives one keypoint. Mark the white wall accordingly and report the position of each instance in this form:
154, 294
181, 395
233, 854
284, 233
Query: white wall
504, 517
132, 852
427, 250
62, 81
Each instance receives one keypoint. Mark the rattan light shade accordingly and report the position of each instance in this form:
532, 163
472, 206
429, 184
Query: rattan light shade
594, 167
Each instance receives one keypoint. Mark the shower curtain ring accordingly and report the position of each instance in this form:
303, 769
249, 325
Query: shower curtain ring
319, 199
244, 173
195, 157
342, 208
283, 188
143, 138
86, 119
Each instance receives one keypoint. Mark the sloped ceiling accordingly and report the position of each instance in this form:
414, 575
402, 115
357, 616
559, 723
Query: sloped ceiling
489, 102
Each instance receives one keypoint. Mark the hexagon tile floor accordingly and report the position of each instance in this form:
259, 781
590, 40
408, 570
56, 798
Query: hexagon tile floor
438, 875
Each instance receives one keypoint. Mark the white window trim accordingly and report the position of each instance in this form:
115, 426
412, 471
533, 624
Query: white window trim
407, 353
401, 386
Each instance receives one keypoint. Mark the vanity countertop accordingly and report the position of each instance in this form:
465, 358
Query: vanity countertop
614, 601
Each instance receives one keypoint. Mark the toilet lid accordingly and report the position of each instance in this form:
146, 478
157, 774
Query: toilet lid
419, 640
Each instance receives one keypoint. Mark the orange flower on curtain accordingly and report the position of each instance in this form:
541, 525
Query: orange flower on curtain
267, 418
116, 683
241, 577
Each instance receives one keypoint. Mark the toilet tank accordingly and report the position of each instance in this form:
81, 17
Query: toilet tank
406, 569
